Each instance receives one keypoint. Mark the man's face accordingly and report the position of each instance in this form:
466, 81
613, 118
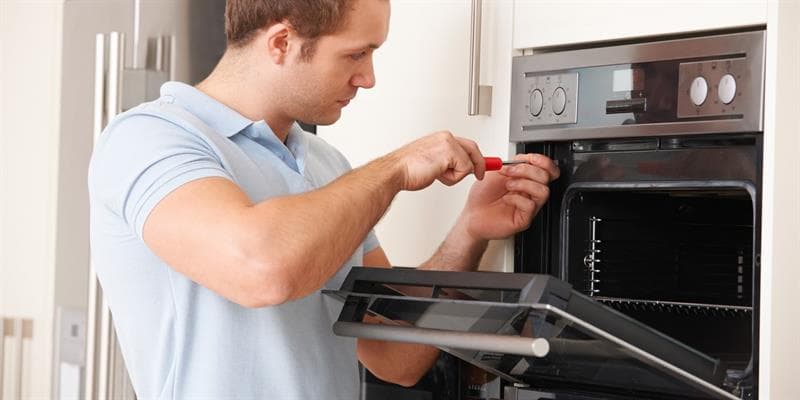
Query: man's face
318, 89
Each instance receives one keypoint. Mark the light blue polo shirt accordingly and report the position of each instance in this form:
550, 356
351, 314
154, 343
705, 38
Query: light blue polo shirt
179, 339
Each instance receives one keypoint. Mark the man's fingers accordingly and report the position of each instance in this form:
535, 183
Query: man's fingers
536, 191
520, 202
474, 153
528, 171
542, 162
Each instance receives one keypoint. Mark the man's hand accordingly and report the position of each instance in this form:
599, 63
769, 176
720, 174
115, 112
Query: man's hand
505, 202
439, 156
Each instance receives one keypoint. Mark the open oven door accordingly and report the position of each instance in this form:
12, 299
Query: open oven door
532, 330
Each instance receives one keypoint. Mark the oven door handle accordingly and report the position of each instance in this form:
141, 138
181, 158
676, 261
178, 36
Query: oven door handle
531, 347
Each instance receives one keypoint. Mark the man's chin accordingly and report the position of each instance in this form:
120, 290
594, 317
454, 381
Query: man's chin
323, 120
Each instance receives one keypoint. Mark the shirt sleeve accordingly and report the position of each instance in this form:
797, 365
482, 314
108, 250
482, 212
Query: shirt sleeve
371, 242
140, 160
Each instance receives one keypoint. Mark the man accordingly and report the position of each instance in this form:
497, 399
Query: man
216, 220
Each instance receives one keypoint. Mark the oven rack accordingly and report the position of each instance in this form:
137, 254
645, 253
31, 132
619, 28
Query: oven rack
689, 309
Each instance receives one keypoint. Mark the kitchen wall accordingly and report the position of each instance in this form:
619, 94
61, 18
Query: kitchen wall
422, 80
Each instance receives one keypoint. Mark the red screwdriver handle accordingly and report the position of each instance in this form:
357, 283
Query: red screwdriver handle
493, 163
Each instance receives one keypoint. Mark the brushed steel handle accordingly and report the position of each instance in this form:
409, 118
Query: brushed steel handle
107, 104
99, 124
99, 84
478, 97
2, 353
116, 54
532, 347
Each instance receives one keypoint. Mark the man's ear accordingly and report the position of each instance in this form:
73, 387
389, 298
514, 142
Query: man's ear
277, 37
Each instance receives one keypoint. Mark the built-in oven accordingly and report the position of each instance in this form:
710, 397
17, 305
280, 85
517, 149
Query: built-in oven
640, 277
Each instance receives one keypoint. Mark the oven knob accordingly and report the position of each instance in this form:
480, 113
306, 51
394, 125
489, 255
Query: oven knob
559, 100
699, 90
727, 89
537, 101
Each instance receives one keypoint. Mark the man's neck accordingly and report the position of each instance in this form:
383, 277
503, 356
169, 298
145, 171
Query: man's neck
234, 85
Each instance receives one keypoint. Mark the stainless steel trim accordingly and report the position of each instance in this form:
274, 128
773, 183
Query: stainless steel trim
99, 83
172, 56
524, 134
19, 358
535, 347
94, 290
700, 47
104, 360
478, 97
137, 22
97, 382
2, 353
641, 354
159, 64
726, 46
116, 54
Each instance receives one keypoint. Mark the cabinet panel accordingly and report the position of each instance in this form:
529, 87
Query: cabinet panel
540, 23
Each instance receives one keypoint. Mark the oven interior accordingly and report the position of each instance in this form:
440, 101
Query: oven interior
679, 260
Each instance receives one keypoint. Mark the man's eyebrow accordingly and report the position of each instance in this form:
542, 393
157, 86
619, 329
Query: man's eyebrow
368, 46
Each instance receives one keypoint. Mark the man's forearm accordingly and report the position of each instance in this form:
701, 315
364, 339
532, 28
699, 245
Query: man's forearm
404, 363
309, 236
458, 252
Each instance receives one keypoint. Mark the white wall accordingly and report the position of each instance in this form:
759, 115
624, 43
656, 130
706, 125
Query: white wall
30, 67
421, 74
541, 23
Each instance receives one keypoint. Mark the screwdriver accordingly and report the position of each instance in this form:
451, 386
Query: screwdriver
496, 163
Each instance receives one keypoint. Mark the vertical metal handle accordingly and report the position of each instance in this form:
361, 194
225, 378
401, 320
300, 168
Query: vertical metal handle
172, 56
100, 110
107, 104
2, 353
116, 53
99, 84
94, 290
478, 97
116, 62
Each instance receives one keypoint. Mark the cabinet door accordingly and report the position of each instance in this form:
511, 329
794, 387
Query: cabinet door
422, 83
539, 23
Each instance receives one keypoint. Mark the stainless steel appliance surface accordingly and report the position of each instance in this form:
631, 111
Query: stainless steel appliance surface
640, 277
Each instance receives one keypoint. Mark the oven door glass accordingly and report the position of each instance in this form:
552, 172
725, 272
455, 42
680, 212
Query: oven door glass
528, 329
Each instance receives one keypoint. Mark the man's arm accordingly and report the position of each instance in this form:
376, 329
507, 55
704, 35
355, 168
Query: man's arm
499, 206
287, 247
404, 363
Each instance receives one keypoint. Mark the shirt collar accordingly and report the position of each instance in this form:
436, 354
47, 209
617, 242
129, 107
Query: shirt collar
216, 115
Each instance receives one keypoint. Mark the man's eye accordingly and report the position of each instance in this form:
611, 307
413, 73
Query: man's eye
358, 56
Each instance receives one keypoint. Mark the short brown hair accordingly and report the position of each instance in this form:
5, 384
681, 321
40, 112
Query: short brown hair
309, 18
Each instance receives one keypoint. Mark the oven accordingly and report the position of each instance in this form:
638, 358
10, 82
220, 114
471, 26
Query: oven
640, 277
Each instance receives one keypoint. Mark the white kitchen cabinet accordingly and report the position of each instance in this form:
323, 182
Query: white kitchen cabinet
780, 237
422, 83
542, 23
47, 75
46, 69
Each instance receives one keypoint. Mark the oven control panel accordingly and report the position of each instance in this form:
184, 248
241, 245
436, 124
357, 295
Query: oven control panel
712, 88
553, 99
686, 86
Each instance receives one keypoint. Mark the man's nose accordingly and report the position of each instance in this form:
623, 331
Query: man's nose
365, 78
